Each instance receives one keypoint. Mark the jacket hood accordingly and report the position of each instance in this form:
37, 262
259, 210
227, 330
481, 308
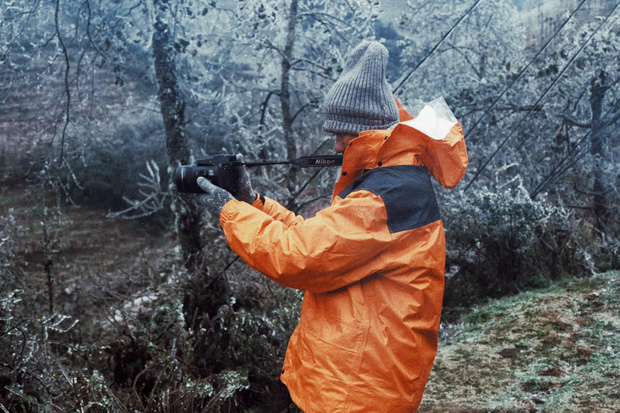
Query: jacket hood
433, 138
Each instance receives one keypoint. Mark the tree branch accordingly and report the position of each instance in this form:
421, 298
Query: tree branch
66, 83
575, 122
301, 109
90, 39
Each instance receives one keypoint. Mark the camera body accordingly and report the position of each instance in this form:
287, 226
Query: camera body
219, 169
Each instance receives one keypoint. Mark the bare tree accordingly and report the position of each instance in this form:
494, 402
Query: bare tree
295, 51
598, 87
285, 94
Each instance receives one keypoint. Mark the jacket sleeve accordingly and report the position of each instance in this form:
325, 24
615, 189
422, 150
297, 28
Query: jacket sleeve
339, 246
277, 211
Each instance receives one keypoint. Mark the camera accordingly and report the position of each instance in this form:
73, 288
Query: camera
219, 169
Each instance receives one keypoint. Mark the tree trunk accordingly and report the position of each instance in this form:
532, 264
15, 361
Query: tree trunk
599, 87
285, 97
187, 215
204, 293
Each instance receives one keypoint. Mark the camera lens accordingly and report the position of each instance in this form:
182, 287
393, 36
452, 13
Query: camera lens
183, 180
177, 178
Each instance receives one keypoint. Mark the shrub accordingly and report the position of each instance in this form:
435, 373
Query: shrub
30, 376
500, 243
162, 361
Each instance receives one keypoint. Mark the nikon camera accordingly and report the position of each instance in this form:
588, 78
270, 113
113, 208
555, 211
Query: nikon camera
219, 169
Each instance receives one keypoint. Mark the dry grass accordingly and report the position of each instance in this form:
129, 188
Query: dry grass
554, 350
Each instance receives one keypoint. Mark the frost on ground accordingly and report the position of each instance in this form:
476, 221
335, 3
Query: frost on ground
552, 350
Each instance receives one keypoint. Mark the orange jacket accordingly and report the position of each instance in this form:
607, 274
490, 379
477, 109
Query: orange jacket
372, 266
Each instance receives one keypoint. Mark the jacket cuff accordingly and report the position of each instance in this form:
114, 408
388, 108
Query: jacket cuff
259, 202
229, 210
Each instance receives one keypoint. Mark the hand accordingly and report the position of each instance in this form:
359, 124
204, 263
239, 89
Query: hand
244, 192
214, 197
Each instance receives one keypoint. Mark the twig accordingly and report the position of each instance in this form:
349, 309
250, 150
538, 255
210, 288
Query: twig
133, 387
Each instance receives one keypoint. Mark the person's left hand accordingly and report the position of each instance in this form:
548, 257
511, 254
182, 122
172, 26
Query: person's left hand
214, 197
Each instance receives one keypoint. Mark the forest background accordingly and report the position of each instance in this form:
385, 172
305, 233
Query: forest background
118, 294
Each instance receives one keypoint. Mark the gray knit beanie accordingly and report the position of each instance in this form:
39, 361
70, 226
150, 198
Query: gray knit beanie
361, 99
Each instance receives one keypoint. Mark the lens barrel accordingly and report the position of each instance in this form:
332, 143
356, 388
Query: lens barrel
185, 177
218, 169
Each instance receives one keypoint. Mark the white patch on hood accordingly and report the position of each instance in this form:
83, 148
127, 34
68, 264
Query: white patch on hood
434, 120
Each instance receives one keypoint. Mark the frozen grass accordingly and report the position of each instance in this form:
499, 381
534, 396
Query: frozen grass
551, 350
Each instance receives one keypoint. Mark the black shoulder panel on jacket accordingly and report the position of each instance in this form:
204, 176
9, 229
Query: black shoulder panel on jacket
406, 191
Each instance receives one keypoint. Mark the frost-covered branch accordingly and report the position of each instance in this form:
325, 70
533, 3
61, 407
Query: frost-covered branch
153, 198
66, 83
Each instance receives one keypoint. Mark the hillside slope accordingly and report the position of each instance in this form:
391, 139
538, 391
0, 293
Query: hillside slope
552, 350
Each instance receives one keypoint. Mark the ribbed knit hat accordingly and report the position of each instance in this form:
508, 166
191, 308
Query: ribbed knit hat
361, 99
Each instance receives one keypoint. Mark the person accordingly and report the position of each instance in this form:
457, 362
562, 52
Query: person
372, 263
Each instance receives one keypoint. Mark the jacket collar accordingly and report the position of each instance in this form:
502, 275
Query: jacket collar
378, 148
360, 155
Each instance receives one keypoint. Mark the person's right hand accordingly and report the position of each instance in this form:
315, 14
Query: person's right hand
244, 185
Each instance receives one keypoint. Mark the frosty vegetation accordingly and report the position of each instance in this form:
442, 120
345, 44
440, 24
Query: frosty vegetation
120, 295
